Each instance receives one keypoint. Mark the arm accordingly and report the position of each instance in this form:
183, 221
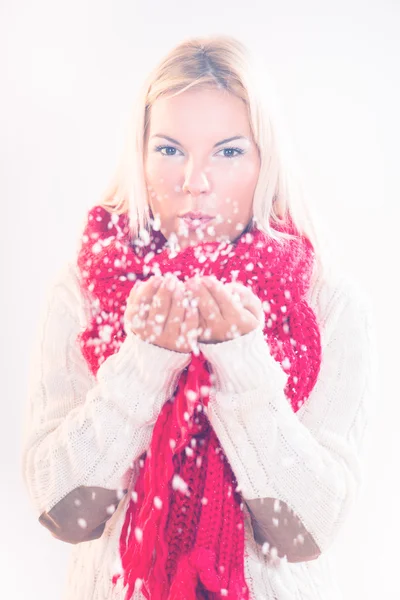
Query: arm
84, 432
298, 472
82, 514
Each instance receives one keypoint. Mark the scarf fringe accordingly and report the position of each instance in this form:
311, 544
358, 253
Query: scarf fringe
197, 553
198, 565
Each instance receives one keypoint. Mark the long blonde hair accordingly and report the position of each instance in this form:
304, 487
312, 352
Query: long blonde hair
224, 62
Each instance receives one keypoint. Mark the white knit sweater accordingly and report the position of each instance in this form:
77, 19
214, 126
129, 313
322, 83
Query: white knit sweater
82, 430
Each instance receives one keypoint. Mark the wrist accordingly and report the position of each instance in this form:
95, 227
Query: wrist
243, 363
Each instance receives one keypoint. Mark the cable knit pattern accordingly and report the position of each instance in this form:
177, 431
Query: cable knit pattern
311, 459
111, 263
262, 422
77, 424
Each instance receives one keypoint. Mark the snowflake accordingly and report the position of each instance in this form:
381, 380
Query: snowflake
191, 395
82, 523
179, 484
158, 502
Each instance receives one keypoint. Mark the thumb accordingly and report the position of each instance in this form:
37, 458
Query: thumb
248, 300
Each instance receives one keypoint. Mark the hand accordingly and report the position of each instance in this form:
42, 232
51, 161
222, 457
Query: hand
226, 310
157, 314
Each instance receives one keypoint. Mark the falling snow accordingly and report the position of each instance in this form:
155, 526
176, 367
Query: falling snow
158, 502
265, 548
179, 484
82, 523
138, 534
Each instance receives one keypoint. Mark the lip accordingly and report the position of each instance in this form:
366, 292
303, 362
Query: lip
196, 223
196, 215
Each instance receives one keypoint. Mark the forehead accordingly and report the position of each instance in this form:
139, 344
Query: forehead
200, 111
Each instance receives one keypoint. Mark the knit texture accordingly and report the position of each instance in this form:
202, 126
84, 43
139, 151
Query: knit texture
184, 533
86, 430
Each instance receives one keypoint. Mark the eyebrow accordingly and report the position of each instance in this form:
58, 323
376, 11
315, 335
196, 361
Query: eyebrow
170, 139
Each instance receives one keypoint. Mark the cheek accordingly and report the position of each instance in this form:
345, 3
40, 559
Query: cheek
159, 174
249, 171
239, 178
160, 183
152, 171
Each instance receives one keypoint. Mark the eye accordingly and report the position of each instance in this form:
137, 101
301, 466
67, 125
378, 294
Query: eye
159, 148
238, 150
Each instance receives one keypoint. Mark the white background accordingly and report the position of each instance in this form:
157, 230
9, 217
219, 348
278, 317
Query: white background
69, 73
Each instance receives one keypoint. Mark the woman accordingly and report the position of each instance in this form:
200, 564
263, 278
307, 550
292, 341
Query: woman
203, 383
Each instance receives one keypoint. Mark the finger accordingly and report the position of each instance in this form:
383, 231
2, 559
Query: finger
139, 301
222, 297
176, 317
181, 325
247, 298
160, 306
204, 300
202, 323
142, 292
186, 319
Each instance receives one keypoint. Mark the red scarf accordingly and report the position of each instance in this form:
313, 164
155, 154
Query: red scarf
183, 535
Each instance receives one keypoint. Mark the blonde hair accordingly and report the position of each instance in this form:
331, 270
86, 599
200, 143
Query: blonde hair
224, 62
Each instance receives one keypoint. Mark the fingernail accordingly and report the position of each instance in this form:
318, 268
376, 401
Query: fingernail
194, 283
171, 284
178, 291
156, 281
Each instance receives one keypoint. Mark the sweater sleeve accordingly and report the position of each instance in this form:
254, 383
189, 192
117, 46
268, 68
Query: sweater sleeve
81, 430
311, 460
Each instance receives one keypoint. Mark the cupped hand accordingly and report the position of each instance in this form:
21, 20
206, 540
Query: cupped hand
202, 309
157, 313
226, 311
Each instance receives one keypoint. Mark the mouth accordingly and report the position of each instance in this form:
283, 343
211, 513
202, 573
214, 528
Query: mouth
194, 223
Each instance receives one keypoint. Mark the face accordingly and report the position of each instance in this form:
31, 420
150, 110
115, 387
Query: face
200, 157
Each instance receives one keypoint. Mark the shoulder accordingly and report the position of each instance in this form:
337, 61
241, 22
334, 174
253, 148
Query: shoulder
347, 319
339, 301
65, 294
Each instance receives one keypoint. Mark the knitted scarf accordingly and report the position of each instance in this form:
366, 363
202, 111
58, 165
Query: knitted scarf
183, 534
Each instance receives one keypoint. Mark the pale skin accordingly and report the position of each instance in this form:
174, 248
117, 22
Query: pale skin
203, 171
161, 313
199, 170
198, 175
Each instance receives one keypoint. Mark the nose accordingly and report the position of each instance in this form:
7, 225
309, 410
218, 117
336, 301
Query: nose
196, 182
